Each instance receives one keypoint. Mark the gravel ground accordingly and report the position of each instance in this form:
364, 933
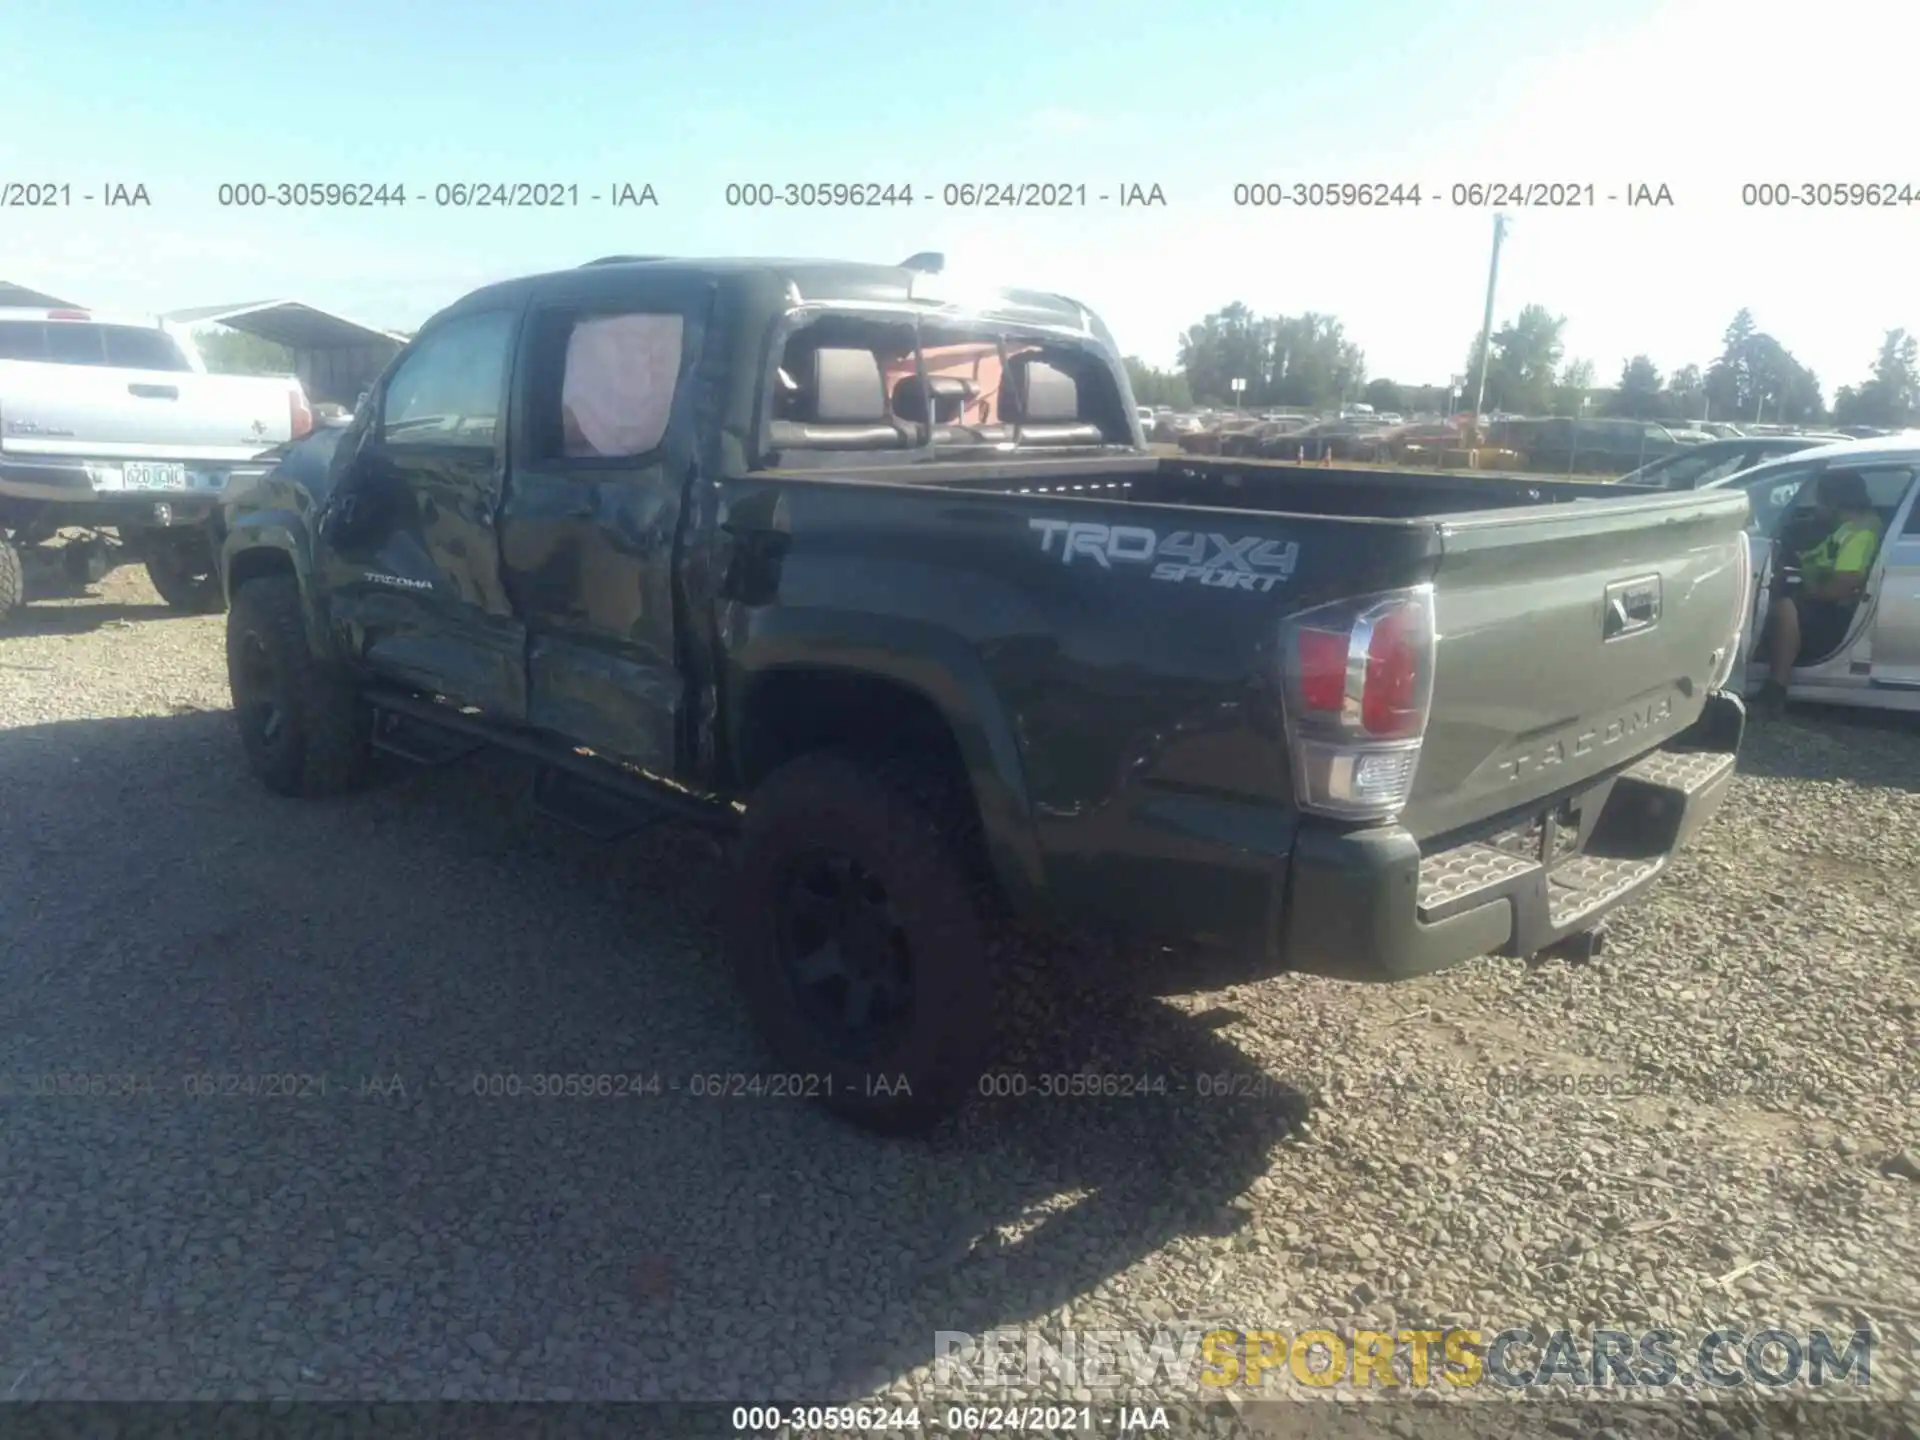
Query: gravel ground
161, 917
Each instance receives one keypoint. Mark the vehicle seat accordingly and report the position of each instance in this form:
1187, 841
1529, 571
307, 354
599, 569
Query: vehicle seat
951, 395
841, 405
1043, 402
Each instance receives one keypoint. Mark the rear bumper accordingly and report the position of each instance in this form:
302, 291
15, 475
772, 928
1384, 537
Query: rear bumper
1370, 905
94, 493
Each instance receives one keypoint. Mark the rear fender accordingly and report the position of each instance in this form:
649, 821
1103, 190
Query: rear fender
942, 668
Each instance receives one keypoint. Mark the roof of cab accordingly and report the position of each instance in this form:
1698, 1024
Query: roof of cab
830, 282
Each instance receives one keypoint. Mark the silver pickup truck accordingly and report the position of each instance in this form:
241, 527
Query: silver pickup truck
113, 424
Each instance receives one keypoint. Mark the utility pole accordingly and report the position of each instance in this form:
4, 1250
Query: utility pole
1486, 324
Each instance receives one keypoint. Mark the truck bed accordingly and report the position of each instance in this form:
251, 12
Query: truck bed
1534, 692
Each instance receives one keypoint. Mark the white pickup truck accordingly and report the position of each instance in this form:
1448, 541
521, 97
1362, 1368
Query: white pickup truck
112, 423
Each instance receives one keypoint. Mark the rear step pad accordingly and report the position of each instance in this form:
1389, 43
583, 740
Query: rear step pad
1471, 874
1579, 886
1687, 771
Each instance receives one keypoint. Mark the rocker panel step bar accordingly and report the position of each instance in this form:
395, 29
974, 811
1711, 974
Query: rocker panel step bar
624, 798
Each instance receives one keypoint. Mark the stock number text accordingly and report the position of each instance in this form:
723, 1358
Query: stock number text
1271, 194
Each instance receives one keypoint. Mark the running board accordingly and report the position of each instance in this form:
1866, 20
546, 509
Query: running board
591, 809
421, 743
586, 791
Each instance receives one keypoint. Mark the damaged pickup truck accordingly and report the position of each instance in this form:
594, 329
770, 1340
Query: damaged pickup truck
881, 580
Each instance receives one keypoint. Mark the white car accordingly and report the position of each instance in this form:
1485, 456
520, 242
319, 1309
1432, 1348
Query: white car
1877, 665
111, 422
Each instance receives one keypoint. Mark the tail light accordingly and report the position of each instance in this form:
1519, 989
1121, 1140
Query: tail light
300, 414
1358, 684
1743, 614
68, 315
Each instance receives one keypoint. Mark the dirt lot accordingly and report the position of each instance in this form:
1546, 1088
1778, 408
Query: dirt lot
1744, 1150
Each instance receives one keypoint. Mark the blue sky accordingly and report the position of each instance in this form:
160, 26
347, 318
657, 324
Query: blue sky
1699, 95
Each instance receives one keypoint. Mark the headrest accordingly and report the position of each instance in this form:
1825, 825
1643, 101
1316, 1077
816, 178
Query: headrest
847, 387
950, 397
1042, 392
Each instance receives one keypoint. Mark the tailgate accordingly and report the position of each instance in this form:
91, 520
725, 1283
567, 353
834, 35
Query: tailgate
102, 413
1572, 638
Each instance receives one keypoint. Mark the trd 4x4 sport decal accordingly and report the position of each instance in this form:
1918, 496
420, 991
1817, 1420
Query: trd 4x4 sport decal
1249, 563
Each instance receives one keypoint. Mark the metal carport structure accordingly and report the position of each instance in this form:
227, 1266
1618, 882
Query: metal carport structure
12, 295
335, 358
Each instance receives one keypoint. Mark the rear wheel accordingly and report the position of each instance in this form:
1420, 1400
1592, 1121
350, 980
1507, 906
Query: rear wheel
13, 586
301, 722
184, 571
859, 936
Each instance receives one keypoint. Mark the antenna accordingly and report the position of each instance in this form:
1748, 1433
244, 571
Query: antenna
930, 262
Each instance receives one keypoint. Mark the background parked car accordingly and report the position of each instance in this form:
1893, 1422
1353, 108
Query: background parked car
1717, 459
1349, 439
1560, 444
1878, 664
1424, 442
1251, 440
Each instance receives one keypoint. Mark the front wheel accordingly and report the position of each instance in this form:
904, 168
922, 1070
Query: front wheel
184, 572
858, 934
301, 723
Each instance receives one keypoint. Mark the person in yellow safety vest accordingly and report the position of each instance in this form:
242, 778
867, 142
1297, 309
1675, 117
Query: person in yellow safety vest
1811, 617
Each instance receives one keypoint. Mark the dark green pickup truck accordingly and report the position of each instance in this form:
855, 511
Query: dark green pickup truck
885, 583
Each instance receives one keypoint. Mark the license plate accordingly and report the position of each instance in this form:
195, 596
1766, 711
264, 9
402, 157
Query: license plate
148, 476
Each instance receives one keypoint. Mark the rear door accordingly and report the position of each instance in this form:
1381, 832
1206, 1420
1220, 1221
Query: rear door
1896, 626
605, 447
412, 552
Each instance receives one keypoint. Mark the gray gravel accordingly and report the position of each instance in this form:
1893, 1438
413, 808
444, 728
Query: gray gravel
161, 917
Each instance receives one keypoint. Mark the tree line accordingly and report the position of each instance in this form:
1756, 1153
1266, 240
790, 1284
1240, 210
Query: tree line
1308, 361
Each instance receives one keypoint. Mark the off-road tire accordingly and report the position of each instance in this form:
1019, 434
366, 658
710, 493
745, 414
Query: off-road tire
182, 583
13, 585
913, 833
321, 743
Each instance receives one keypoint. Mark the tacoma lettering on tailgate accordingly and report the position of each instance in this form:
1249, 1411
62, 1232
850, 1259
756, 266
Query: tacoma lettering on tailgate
1248, 563
1599, 737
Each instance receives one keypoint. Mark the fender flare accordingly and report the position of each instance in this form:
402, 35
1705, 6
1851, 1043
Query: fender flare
941, 668
282, 533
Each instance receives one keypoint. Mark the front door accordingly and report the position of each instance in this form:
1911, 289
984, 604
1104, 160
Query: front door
1896, 626
412, 552
604, 451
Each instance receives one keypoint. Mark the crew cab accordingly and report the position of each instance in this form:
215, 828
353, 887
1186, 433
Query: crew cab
113, 423
872, 571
